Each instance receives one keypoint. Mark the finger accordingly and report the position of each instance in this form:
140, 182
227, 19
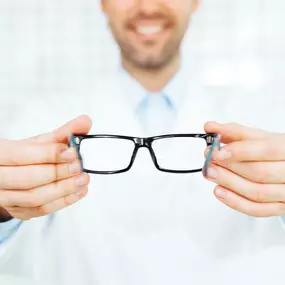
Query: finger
243, 187
231, 132
16, 153
259, 172
63, 202
259, 150
29, 213
80, 125
44, 194
245, 206
23, 214
31, 176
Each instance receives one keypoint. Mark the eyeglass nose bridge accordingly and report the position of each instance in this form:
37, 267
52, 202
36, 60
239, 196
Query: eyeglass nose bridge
144, 142
141, 142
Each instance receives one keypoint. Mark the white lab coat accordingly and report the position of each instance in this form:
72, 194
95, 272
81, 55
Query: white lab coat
145, 227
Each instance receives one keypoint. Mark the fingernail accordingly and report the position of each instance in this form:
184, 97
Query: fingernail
220, 194
82, 192
223, 154
212, 173
67, 154
74, 167
80, 181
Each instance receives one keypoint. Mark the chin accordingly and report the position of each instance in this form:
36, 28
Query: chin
151, 62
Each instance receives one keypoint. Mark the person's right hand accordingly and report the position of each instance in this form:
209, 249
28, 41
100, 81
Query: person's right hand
41, 175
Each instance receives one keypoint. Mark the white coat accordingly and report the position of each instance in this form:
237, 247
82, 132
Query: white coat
146, 227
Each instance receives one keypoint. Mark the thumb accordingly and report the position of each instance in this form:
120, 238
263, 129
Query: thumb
231, 132
80, 125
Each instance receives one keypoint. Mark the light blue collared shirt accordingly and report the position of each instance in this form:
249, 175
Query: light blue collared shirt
7, 229
156, 111
135, 92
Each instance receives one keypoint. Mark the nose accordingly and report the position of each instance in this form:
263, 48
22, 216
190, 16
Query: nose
148, 6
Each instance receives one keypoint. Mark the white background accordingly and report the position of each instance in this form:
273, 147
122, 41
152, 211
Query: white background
50, 47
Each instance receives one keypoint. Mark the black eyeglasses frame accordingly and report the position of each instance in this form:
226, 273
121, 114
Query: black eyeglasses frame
76, 139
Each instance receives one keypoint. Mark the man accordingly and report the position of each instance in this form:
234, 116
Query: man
145, 226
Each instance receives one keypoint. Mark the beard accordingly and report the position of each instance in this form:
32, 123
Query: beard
150, 54
148, 59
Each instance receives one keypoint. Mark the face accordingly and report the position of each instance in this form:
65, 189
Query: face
149, 32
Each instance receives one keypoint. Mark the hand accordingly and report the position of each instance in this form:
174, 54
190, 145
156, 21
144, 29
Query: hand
249, 170
41, 175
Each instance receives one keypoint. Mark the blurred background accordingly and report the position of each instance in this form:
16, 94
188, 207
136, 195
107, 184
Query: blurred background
49, 47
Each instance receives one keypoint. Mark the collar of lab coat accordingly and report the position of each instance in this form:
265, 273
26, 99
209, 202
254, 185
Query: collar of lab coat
135, 92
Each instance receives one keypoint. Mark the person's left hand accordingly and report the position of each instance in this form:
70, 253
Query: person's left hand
249, 170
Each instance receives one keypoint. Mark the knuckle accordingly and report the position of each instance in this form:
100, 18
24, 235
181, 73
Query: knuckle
44, 173
56, 148
57, 186
61, 171
68, 190
55, 172
64, 187
66, 201
260, 194
54, 152
69, 200
43, 210
67, 187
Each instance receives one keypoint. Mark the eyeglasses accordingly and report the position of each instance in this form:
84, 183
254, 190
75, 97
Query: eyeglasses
174, 153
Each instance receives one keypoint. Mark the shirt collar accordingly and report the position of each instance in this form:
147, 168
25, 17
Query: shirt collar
135, 92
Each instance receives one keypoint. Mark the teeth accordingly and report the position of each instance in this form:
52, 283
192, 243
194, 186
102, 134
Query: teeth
149, 30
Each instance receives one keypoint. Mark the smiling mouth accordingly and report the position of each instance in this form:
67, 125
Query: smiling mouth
149, 31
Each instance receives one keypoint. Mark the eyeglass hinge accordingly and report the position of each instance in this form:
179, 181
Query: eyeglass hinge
77, 140
210, 139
